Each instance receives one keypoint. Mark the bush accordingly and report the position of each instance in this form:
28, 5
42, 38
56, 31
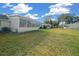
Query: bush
6, 29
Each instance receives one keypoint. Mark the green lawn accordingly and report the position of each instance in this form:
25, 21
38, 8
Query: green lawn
42, 42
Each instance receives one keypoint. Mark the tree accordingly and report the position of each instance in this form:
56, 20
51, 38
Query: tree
67, 18
48, 20
55, 24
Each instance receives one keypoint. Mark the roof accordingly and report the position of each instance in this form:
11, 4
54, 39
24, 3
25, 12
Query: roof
14, 15
3, 17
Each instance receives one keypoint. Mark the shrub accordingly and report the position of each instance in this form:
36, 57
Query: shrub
6, 29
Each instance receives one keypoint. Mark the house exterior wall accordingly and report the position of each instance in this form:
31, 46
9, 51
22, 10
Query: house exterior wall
24, 29
14, 23
4, 23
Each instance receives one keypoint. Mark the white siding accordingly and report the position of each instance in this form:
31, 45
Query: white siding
0, 28
4, 23
24, 29
14, 23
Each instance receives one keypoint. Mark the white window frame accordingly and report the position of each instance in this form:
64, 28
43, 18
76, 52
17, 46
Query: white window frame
22, 23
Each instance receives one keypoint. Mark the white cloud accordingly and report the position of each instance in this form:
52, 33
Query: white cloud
61, 5
7, 5
59, 8
21, 8
47, 14
33, 16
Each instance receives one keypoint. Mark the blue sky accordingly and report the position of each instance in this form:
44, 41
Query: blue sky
39, 10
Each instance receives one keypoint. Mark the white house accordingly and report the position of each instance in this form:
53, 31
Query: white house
62, 24
18, 23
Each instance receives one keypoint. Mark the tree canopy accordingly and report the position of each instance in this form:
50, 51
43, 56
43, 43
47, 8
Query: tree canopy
48, 20
65, 17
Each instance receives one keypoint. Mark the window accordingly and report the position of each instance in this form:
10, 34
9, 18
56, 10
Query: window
9, 23
28, 23
34, 23
31, 23
22, 22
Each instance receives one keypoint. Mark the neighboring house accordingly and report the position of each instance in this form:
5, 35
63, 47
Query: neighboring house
46, 26
69, 26
72, 26
62, 24
18, 23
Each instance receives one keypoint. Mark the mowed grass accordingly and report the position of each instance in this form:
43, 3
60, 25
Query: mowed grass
44, 42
